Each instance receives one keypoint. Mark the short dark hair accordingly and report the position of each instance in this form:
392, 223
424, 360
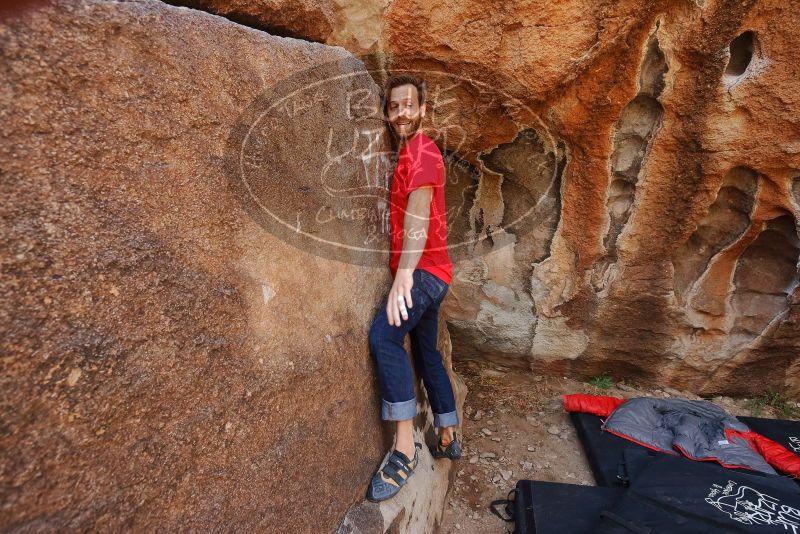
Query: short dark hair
404, 79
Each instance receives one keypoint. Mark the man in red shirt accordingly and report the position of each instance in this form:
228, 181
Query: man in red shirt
422, 272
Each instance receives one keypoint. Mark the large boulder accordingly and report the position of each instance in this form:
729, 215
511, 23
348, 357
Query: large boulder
174, 358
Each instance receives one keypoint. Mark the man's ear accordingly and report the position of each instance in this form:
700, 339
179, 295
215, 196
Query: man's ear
422, 109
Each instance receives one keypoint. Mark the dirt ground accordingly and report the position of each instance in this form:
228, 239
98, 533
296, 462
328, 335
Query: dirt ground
516, 428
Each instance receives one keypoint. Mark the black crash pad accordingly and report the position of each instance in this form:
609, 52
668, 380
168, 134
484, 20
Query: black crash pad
554, 508
666, 495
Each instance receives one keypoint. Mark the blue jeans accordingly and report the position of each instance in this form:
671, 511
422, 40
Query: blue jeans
395, 375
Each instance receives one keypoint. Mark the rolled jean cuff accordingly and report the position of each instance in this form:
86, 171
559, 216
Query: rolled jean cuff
398, 411
441, 420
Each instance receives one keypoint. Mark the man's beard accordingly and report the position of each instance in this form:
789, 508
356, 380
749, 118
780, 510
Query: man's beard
411, 128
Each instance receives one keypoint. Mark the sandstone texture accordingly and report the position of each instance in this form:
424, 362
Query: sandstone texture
310, 20
353, 24
624, 181
636, 202
170, 362
194, 234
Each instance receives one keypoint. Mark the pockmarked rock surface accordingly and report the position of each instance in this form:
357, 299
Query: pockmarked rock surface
169, 363
658, 183
310, 20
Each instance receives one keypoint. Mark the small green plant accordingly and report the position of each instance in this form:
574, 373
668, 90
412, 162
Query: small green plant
784, 408
603, 381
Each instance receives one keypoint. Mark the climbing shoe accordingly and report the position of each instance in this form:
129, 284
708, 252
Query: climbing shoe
392, 475
452, 450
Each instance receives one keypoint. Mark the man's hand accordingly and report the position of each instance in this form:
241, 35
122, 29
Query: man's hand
400, 297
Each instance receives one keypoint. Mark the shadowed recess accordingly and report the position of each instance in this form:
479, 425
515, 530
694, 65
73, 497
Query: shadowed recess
461, 185
741, 54
530, 189
637, 123
796, 190
726, 221
634, 130
490, 312
766, 275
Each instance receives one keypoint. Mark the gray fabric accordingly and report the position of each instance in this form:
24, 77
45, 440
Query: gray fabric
697, 427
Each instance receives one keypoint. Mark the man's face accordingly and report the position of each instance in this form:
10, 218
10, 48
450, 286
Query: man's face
405, 113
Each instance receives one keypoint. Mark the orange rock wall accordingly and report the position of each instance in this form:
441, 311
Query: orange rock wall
655, 262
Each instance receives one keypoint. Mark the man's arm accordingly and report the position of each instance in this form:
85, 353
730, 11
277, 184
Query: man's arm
415, 235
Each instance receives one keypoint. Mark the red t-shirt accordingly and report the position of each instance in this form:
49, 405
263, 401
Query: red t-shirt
420, 163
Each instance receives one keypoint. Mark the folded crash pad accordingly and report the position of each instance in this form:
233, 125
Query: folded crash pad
553, 508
